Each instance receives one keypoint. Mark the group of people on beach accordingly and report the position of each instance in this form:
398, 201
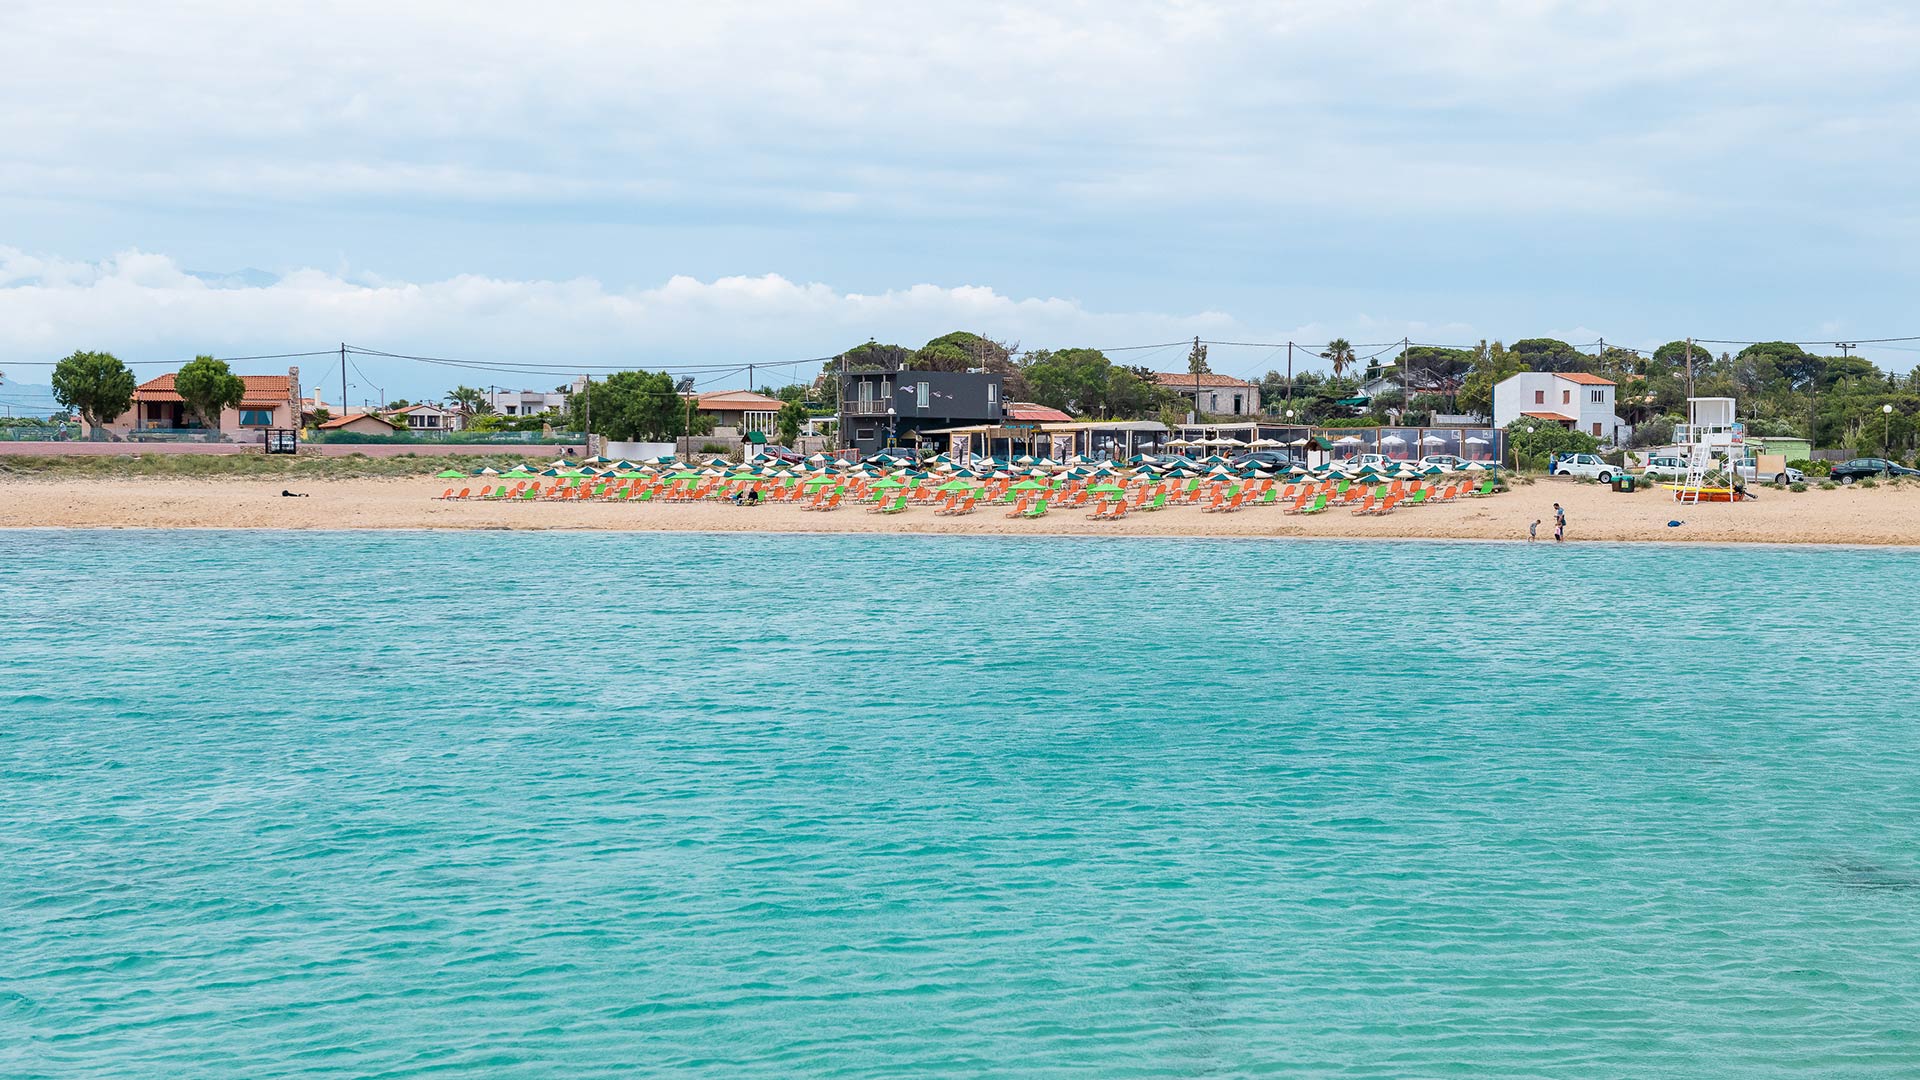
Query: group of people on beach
1559, 524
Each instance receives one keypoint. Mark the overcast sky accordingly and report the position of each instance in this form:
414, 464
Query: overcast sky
716, 182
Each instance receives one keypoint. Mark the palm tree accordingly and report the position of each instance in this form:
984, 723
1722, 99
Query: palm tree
1341, 355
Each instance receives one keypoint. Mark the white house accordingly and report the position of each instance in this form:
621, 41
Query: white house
1574, 399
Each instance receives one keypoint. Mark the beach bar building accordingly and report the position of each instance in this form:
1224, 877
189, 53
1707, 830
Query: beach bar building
891, 407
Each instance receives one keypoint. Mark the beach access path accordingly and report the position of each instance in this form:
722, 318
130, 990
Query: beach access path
1845, 516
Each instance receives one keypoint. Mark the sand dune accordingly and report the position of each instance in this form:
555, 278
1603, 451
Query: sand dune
1847, 516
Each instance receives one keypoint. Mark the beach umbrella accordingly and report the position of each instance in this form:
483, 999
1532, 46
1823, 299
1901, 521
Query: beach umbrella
1028, 485
1106, 489
957, 485
1476, 466
1349, 440
887, 482
1391, 440
559, 463
486, 470
450, 474
1431, 439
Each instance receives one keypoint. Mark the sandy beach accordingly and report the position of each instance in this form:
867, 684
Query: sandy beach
1845, 516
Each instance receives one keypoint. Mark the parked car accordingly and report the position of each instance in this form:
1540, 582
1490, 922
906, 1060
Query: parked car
1378, 462
1445, 461
1862, 467
1748, 469
1271, 460
1587, 465
1663, 467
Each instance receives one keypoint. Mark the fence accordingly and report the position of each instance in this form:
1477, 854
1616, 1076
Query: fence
39, 432
443, 438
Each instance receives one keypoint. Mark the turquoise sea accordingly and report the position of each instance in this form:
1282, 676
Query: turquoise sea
562, 805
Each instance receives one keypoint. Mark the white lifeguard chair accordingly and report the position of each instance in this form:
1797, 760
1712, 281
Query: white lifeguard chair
1710, 430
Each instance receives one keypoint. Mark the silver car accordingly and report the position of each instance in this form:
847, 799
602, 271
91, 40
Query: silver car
1665, 468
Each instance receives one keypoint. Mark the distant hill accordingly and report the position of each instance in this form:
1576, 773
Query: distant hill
26, 399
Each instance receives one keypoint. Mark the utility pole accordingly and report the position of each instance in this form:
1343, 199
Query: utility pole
1289, 372
343, 378
1689, 369
587, 421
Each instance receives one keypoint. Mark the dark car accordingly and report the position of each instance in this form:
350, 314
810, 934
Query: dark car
1270, 460
1862, 467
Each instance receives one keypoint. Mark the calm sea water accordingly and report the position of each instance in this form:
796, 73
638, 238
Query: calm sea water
740, 807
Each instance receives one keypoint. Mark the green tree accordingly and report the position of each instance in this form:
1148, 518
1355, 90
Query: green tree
644, 406
789, 419
1546, 438
1076, 381
94, 384
1197, 359
1339, 353
471, 400
1549, 354
1492, 365
872, 356
208, 386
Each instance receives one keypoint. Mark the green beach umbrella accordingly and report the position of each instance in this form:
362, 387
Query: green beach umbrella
888, 482
1106, 489
951, 485
685, 474
450, 474
1028, 485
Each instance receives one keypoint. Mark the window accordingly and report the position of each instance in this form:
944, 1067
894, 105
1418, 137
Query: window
1539, 397
864, 434
993, 391
1598, 397
1596, 428
1236, 404
256, 417
866, 392
1566, 397
920, 395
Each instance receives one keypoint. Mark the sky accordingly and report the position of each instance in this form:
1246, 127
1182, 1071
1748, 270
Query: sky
651, 185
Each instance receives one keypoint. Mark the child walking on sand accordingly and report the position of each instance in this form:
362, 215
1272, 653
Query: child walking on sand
1533, 531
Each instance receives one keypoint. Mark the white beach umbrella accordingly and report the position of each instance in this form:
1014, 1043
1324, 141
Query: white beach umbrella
1433, 440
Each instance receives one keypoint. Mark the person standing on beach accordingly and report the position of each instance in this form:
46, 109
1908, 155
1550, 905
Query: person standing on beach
1559, 522
1533, 531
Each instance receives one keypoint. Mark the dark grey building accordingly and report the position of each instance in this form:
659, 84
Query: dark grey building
886, 408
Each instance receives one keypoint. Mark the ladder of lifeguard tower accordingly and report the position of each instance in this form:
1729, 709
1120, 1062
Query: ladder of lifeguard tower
1699, 462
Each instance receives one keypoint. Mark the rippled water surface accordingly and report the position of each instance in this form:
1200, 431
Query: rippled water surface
751, 807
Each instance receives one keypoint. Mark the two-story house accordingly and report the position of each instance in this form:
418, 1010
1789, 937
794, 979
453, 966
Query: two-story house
1575, 399
879, 408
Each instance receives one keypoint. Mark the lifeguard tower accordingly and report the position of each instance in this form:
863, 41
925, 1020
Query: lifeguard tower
1710, 430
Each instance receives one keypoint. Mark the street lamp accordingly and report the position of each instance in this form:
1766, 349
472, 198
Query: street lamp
1886, 428
893, 430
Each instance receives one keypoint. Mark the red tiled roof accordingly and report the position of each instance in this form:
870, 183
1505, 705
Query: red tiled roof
263, 391
1583, 378
1037, 414
738, 401
343, 421
1186, 380
1552, 416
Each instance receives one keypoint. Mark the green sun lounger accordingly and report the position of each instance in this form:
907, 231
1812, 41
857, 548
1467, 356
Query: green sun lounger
1319, 503
1038, 509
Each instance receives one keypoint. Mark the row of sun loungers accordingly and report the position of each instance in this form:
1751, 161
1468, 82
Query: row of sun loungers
1110, 503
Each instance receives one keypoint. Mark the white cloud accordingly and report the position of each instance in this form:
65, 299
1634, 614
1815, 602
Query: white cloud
144, 306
